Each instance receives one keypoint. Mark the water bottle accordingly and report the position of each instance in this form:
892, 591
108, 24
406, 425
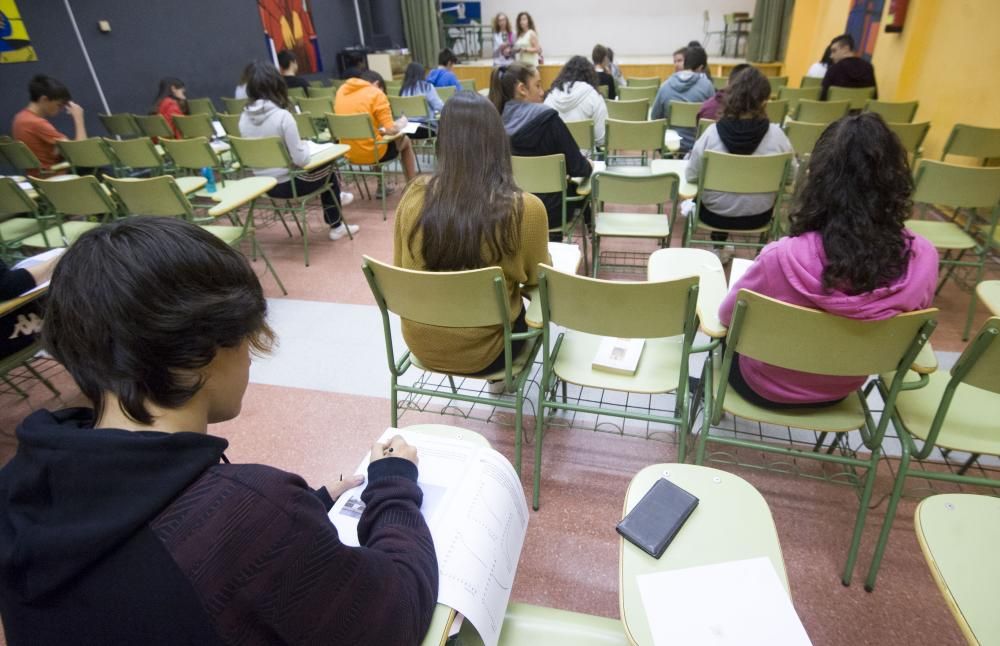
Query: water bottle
209, 176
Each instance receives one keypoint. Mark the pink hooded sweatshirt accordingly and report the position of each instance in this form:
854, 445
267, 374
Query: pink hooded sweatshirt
791, 270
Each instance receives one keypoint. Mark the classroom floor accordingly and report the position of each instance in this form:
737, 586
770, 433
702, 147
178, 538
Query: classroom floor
316, 405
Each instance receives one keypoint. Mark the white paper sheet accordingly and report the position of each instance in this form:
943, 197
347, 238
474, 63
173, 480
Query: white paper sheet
410, 127
738, 267
315, 148
219, 130
733, 603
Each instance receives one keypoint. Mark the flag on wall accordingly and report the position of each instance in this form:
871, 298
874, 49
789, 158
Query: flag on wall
288, 24
15, 46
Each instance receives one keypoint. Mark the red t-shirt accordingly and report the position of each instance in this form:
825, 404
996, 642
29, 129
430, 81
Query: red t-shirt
168, 109
39, 135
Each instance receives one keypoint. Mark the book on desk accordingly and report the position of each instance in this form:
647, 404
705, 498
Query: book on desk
475, 508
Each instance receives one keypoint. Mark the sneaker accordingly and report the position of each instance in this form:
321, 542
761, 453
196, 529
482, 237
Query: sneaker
498, 387
339, 231
346, 198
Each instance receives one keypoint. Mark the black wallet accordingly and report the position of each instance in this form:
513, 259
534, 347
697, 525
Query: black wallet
661, 513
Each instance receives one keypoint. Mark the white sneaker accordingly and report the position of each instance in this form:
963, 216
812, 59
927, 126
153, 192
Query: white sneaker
727, 254
339, 231
346, 198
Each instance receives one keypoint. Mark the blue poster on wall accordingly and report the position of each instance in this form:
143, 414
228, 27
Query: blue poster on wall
461, 13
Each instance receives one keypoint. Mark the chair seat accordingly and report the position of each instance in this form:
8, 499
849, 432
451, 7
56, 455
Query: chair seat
523, 359
658, 371
943, 235
15, 228
971, 424
848, 415
229, 235
632, 225
73, 229
704, 227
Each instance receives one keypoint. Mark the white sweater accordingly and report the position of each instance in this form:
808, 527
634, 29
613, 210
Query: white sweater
579, 103
265, 119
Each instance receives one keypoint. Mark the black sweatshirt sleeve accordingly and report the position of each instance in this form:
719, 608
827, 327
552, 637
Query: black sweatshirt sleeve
576, 164
14, 282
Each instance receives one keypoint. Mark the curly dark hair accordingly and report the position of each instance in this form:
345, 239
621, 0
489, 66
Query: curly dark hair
576, 69
857, 196
746, 95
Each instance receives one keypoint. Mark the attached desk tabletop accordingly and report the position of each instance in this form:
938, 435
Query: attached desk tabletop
565, 258
988, 292
685, 189
670, 264
14, 303
959, 534
238, 192
728, 507
329, 153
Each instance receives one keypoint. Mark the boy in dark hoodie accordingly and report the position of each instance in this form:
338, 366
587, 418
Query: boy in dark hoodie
126, 524
690, 85
847, 69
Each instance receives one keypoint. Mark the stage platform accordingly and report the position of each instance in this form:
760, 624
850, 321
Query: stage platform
642, 66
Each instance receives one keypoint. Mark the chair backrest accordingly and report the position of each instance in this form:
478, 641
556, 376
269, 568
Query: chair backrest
13, 199
80, 196
192, 154
957, 186
297, 93
703, 125
602, 89
744, 173
317, 83
201, 106
152, 196
120, 125
811, 82
153, 125
350, 126
393, 88
777, 110
794, 94
821, 111
86, 153
911, 135
893, 111
583, 133
808, 340
234, 105
261, 152
720, 82
408, 106
546, 174
468, 84
432, 298
777, 82
318, 105
615, 188
972, 141
629, 310
635, 135
446, 92
19, 155
803, 136
643, 81
135, 153
979, 365
857, 96
628, 110
683, 114
195, 125
306, 125
326, 92
637, 93
230, 123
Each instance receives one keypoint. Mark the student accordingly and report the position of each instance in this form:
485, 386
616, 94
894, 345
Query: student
847, 69
710, 109
818, 70
848, 254
679, 59
21, 327
449, 223
689, 85
527, 48
536, 130
267, 115
415, 85
444, 74
356, 63
616, 72
366, 95
241, 88
171, 100
125, 523
602, 66
743, 129
48, 97
503, 41
574, 96
289, 66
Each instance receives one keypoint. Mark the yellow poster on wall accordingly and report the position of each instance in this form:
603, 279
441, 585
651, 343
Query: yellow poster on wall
15, 46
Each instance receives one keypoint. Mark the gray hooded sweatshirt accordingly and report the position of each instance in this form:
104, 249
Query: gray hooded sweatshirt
689, 86
264, 119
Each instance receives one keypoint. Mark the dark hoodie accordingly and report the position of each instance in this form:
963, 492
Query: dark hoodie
849, 72
535, 130
119, 537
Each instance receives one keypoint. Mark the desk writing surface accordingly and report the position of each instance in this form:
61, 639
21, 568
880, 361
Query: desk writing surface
238, 192
566, 258
670, 264
326, 155
685, 189
14, 303
988, 292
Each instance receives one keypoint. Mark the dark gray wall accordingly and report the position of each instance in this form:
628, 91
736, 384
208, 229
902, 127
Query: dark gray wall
206, 43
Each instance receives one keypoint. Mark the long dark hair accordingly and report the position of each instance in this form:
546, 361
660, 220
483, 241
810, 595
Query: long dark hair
472, 208
857, 196
412, 78
746, 95
166, 90
265, 82
504, 80
576, 69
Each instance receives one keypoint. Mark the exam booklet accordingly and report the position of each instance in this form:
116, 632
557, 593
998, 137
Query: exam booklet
620, 356
478, 517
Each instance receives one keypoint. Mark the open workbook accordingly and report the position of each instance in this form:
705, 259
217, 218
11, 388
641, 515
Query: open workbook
478, 516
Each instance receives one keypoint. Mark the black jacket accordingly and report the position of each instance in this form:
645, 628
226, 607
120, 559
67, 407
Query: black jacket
849, 72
